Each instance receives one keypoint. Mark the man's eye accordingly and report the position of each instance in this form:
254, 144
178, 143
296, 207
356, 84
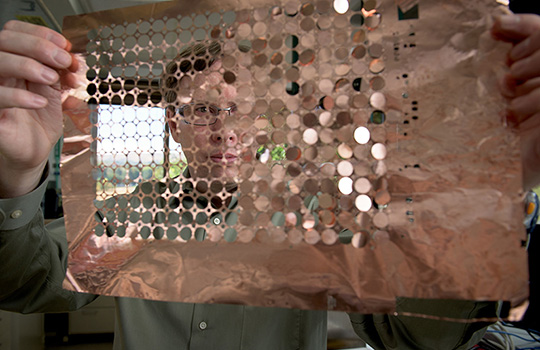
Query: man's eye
201, 109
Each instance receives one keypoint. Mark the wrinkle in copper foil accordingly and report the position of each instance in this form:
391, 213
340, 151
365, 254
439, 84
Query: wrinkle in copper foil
287, 155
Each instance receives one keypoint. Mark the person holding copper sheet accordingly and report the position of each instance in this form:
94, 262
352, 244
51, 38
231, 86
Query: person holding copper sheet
34, 67
33, 256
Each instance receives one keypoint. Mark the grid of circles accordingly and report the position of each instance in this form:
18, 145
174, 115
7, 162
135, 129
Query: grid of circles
317, 171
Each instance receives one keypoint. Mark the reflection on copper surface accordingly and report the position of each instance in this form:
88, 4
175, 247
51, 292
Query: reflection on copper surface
345, 168
345, 151
361, 135
310, 136
376, 66
378, 151
360, 239
362, 185
363, 203
345, 185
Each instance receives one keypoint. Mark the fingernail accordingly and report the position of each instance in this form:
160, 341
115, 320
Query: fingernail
509, 21
62, 58
58, 40
49, 75
38, 101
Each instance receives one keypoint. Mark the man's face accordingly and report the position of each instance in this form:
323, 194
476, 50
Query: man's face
207, 126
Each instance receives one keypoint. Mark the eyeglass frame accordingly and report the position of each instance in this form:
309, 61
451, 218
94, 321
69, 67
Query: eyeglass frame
214, 115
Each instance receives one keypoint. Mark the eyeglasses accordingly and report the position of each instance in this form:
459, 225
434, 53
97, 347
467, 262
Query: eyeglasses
201, 114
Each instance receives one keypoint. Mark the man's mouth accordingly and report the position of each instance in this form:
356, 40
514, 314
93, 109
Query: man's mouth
221, 158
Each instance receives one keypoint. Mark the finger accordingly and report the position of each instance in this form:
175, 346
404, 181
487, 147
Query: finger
41, 50
46, 34
511, 88
508, 86
526, 47
515, 28
526, 68
527, 87
39, 31
522, 107
74, 65
12, 97
14, 66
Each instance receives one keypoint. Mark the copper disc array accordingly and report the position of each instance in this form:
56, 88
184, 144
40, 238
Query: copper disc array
300, 157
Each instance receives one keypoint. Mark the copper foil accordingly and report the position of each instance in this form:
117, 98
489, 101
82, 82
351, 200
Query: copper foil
368, 162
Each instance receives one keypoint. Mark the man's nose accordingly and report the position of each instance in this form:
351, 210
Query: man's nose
224, 138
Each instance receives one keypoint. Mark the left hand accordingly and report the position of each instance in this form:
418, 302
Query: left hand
521, 86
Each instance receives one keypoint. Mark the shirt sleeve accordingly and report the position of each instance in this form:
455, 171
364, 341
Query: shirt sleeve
400, 332
33, 258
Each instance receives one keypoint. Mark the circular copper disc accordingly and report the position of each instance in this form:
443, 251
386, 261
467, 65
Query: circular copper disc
376, 66
329, 237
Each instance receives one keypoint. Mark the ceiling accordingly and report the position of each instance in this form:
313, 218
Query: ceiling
61, 8
86, 6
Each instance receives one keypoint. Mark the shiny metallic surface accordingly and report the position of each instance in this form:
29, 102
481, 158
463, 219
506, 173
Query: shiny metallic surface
291, 169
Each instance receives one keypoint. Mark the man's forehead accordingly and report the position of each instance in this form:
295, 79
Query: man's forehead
213, 79
212, 91
207, 85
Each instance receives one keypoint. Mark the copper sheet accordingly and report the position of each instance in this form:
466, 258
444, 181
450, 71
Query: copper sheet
371, 160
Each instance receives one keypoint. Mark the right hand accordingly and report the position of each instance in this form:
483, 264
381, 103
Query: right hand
35, 65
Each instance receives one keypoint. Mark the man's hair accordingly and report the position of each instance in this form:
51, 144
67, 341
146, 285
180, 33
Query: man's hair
191, 59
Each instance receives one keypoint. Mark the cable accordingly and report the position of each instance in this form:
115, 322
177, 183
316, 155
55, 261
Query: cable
530, 331
512, 334
508, 343
514, 326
